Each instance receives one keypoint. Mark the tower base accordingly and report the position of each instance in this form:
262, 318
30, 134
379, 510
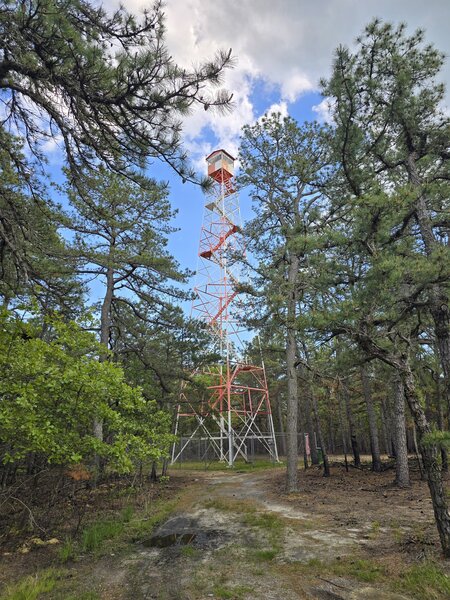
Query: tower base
226, 410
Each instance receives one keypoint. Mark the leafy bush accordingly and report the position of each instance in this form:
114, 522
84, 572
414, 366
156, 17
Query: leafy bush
54, 386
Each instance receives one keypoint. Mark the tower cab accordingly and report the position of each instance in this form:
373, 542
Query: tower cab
220, 165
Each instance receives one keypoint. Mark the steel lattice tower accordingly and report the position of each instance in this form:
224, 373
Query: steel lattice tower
233, 406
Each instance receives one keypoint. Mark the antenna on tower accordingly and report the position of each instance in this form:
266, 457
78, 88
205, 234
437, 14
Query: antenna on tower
233, 411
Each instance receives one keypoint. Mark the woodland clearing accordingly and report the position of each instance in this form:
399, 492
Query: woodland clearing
237, 535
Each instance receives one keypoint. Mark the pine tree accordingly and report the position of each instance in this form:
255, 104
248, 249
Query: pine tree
282, 163
104, 86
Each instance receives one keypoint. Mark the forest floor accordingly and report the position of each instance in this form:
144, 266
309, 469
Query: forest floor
237, 535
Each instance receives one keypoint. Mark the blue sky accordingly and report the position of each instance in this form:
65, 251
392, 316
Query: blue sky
282, 48
188, 198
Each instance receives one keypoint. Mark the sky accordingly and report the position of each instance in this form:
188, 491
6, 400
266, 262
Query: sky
282, 48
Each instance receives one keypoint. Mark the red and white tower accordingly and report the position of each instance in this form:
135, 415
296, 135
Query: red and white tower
226, 404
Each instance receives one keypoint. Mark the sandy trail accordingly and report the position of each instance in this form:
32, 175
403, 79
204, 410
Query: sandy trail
234, 540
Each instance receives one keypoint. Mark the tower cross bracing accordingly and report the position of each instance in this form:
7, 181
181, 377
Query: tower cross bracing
232, 405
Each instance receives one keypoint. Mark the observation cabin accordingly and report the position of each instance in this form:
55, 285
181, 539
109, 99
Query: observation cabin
220, 165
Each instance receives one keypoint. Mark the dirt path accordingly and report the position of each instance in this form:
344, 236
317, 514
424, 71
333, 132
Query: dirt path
230, 538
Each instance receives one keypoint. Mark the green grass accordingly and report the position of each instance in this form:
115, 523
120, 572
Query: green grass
426, 581
266, 520
156, 514
189, 551
364, 570
67, 551
266, 554
32, 586
126, 514
240, 466
125, 527
230, 504
225, 592
84, 596
96, 534
374, 529
423, 581
105, 534
360, 569
273, 527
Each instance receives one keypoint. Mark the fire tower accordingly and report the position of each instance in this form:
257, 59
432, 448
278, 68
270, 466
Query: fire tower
226, 404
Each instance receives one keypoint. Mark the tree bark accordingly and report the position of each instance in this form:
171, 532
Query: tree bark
373, 430
386, 429
292, 385
326, 464
310, 427
343, 432
401, 463
351, 426
282, 442
430, 461
105, 325
440, 422
437, 299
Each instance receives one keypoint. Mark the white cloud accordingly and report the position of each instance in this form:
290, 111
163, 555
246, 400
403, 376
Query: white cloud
287, 44
278, 107
323, 111
295, 85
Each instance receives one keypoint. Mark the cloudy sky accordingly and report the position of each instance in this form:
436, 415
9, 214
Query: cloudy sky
282, 48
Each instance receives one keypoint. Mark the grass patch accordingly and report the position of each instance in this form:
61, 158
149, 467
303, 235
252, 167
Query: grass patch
157, 514
84, 596
230, 504
67, 551
231, 593
126, 526
32, 586
266, 554
95, 534
426, 580
364, 570
375, 529
126, 514
269, 521
240, 466
360, 569
189, 551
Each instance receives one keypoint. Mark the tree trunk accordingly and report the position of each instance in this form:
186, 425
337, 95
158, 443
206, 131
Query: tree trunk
281, 426
437, 299
440, 422
351, 426
331, 433
292, 385
310, 428
105, 325
440, 407
417, 453
430, 461
373, 430
326, 464
343, 432
401, 463
386, 428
